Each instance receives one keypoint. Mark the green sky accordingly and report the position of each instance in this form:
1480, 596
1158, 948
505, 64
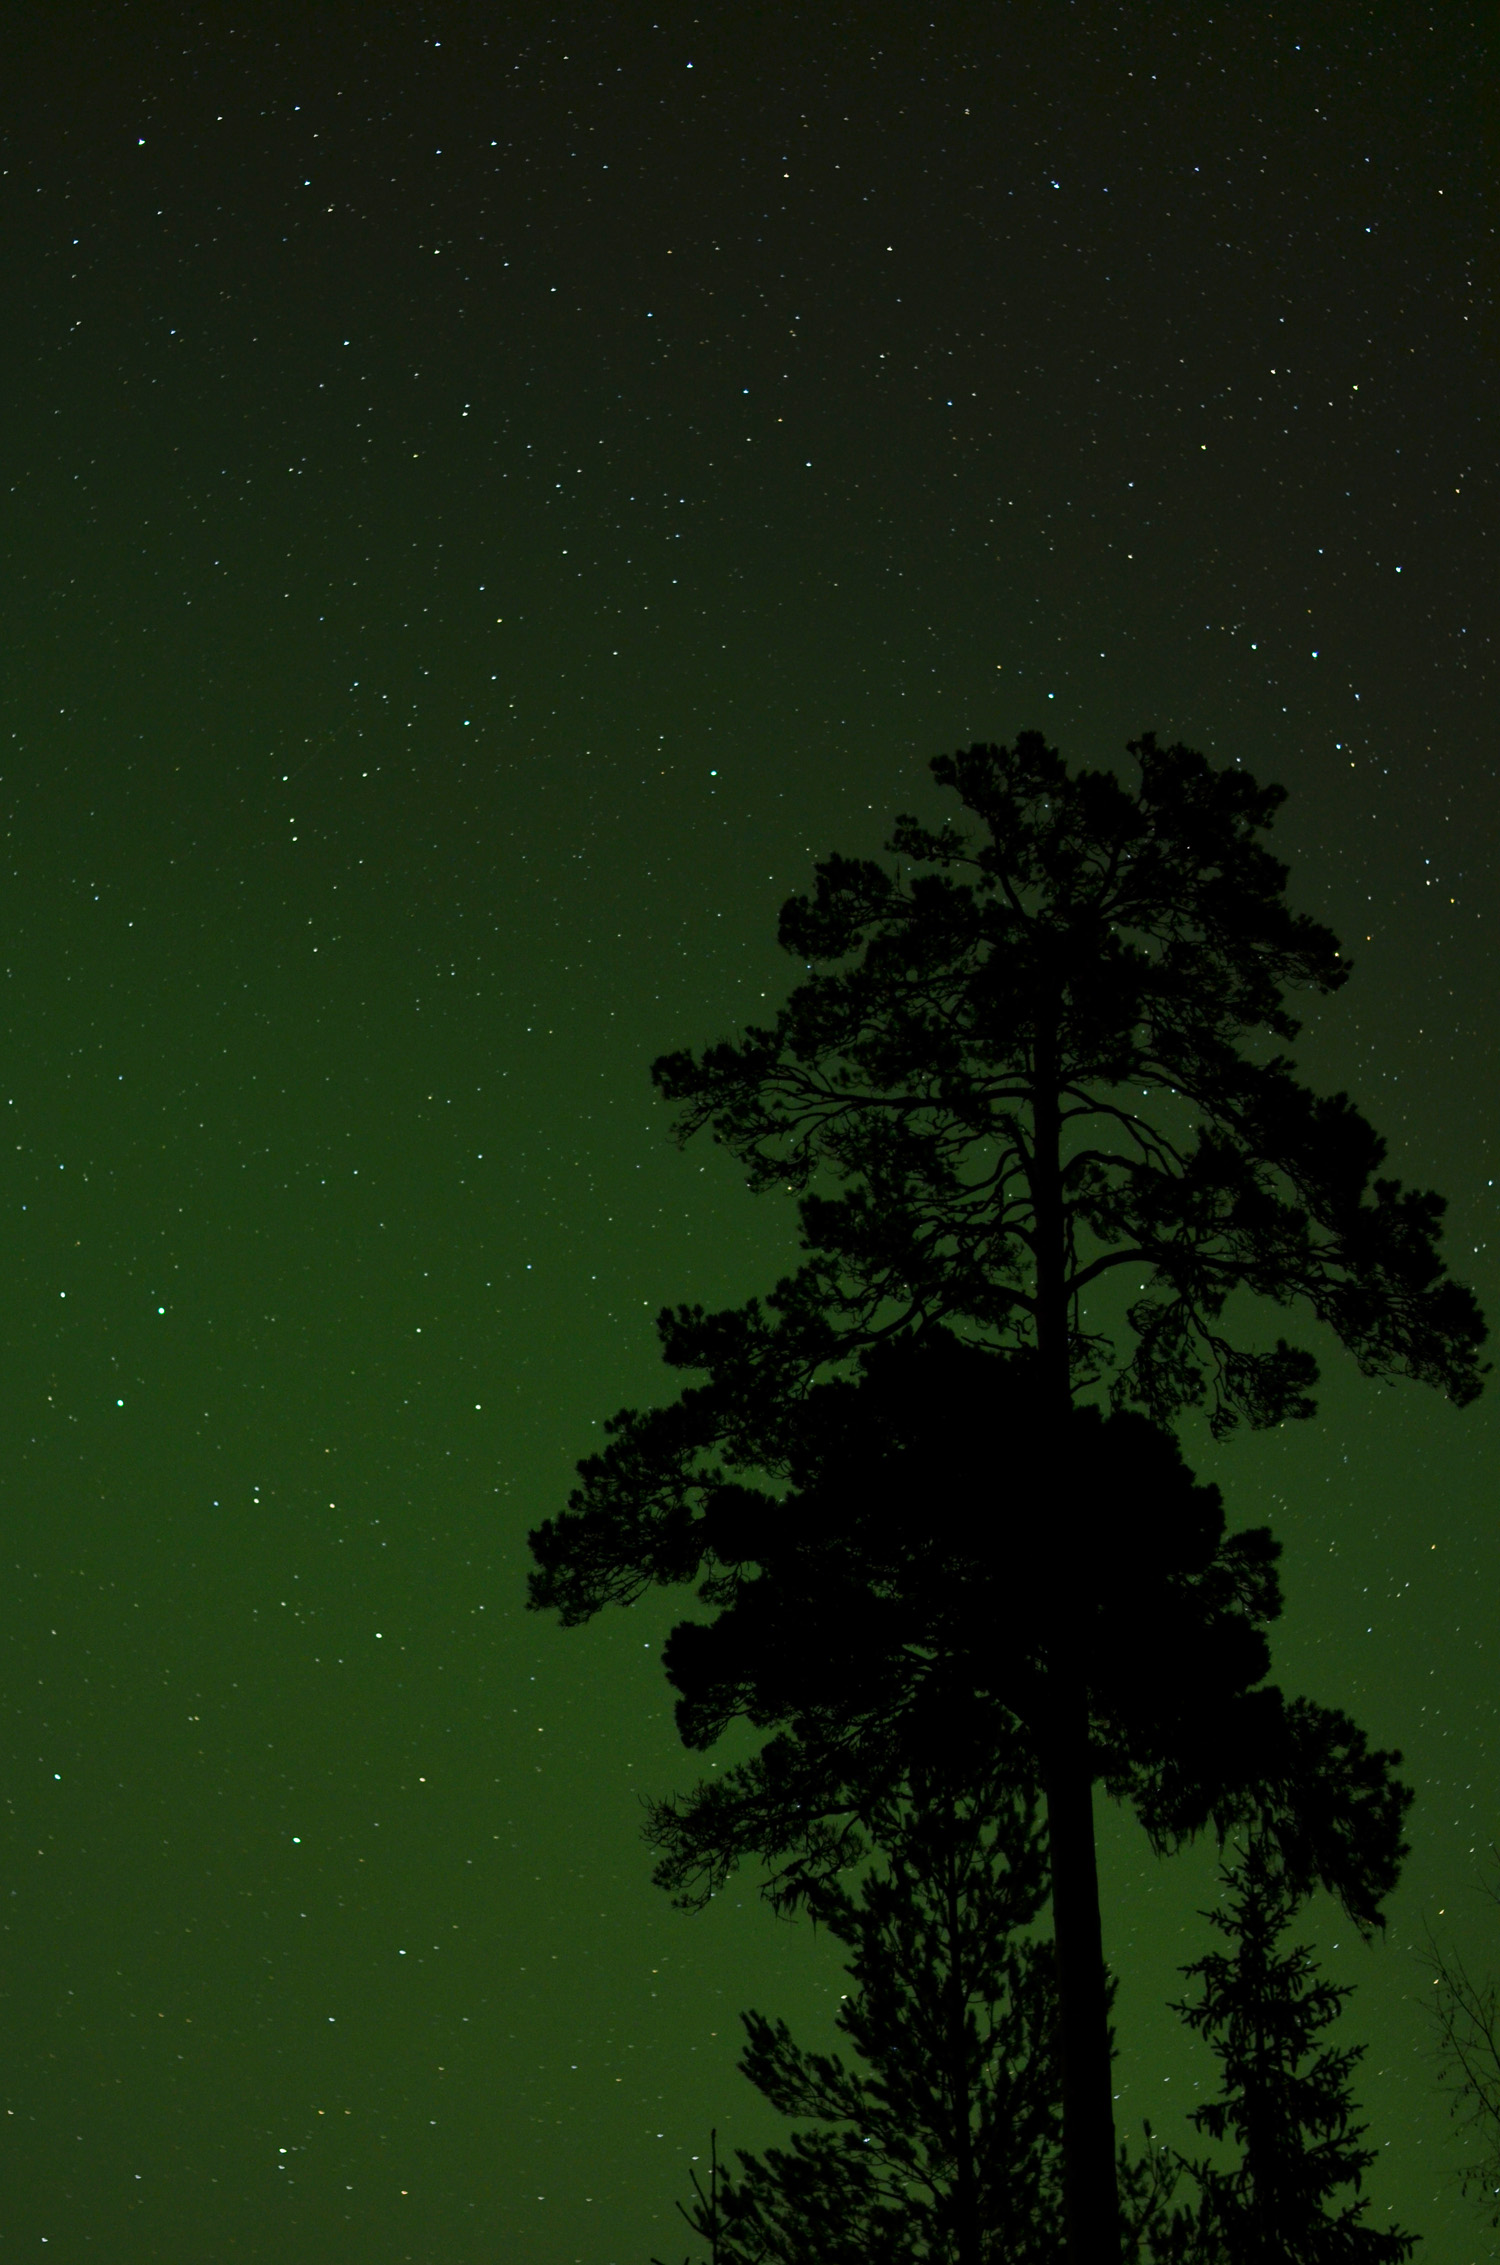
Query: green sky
492, 494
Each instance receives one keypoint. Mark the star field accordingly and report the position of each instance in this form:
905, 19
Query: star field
492, 495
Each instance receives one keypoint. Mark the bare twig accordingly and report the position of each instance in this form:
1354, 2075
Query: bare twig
1465, 2013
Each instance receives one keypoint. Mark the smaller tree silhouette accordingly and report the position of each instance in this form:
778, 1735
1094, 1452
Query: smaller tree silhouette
1156, 2227
1285, 2097
703, 2216
940, 2144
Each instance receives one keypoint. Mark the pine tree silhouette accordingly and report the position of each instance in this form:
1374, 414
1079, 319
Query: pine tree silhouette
1034, 1087
938, 2142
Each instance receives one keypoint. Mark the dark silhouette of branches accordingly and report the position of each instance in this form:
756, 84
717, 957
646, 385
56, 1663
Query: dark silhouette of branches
702, 2213
1465, 2011
1285, 2099
1033, 1058
910, 1583
890, 1603
1156, 2227
936, 2141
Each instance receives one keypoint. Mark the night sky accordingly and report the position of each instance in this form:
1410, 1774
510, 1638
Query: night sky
491, 495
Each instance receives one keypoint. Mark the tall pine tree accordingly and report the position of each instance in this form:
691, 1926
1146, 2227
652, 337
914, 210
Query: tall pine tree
1035, 1085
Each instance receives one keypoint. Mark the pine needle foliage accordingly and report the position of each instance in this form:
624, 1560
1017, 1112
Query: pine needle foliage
1046, 1051
935, 2140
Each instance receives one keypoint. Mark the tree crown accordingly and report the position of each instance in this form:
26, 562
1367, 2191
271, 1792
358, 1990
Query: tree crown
1039, 1057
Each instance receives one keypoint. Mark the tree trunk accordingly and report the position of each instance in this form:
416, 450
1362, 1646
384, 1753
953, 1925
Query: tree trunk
1091, 2213
968, 2232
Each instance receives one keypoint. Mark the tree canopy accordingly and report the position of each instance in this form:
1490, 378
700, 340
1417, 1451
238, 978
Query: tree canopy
1046, 1052
938, 1556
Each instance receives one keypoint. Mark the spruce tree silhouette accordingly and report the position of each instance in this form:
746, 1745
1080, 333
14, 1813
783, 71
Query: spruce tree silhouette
939, 2142
1030, 1088
1285, 2096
